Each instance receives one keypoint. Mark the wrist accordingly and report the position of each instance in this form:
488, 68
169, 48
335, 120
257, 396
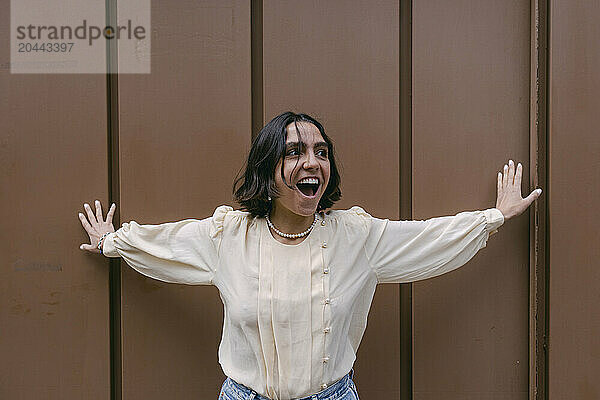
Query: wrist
101, 240
504, 213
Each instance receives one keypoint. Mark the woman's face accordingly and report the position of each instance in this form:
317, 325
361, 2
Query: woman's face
313, 162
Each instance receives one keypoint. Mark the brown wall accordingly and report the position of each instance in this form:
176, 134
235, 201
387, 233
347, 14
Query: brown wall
574, 194
181, 133
54, 308
470, 115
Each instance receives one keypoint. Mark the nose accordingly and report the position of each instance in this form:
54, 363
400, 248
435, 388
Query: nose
310, 161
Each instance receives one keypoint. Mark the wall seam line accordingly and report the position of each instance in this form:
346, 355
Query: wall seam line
405, 163
112, 109
256, 66
538, 163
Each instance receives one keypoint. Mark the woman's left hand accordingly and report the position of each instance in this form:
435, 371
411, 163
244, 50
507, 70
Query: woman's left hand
509, 200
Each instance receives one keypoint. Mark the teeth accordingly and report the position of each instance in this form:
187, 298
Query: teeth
310, 180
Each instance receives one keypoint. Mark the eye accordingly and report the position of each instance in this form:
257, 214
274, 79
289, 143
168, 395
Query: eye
293, 152
322, 153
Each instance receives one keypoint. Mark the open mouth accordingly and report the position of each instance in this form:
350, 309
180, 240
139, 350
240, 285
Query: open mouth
308, 189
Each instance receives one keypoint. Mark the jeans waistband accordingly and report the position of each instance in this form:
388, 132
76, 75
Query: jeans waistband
244, 392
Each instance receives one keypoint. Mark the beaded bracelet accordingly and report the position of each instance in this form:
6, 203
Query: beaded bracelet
100, 242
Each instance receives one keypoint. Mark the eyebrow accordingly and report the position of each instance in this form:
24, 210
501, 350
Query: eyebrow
295, 144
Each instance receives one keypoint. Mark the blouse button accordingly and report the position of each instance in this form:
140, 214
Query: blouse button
327, 300
326, 271
323, 223
325, 359
324, 245
323, 386
326, 330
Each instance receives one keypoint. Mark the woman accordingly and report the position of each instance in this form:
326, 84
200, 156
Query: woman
296, 281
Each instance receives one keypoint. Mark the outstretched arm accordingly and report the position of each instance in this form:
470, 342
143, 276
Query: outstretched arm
409, 251
175, 252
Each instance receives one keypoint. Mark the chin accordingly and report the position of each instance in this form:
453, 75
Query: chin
307, 211
301, 205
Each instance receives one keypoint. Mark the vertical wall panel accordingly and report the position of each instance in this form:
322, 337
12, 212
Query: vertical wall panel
574, 344
184, 133
54, 322
470, 115
338, 61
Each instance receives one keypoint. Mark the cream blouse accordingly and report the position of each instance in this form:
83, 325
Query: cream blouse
294, 315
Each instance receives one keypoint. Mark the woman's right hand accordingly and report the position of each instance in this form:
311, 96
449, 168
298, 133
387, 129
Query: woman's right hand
96, 227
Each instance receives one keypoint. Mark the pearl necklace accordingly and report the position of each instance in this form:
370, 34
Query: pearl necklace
292, 235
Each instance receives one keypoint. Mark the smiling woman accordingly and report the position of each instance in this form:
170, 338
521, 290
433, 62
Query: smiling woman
276, 156
293, 329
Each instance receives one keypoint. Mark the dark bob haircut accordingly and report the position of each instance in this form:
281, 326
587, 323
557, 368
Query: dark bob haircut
258, 180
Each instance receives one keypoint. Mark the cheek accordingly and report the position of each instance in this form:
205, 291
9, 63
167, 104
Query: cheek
280, 182
278, 178
327, 170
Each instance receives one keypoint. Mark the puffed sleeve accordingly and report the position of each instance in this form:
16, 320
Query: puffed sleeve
176, 252
408, 251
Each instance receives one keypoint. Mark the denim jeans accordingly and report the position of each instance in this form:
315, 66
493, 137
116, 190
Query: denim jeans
344, 389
